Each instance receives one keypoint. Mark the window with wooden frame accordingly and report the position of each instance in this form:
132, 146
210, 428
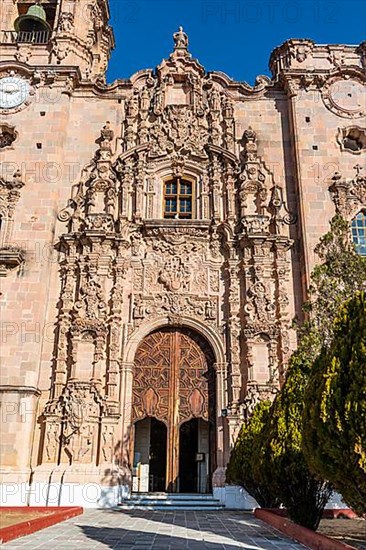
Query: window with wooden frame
178, 199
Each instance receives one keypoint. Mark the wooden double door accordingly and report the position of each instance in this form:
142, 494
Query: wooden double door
174, 383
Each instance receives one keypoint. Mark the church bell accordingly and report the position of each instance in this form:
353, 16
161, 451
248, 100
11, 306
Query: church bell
33, 21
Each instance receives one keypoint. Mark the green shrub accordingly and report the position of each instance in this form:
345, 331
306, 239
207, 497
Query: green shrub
244, 455
334, 418
280, 458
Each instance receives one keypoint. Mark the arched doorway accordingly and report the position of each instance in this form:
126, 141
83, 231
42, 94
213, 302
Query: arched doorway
174, 383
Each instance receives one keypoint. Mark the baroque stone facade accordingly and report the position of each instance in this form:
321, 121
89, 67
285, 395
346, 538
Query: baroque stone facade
95, 265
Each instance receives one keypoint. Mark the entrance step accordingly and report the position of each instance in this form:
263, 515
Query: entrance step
171, 501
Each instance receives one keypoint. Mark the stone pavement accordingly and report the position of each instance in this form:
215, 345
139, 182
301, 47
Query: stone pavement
140, 530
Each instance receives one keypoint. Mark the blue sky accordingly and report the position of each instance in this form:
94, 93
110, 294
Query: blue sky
235, 37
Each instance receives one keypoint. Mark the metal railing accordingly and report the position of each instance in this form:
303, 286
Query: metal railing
25, 37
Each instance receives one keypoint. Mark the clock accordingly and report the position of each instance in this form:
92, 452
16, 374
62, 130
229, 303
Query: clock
348, 95
13, 92
345, 97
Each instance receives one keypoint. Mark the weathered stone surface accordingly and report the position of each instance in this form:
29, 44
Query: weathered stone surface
91, 266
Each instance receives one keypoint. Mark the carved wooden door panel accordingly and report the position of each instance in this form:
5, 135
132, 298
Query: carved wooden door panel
173, 382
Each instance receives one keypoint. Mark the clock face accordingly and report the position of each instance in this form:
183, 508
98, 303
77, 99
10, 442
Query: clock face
348, 95
345, 97
13, 92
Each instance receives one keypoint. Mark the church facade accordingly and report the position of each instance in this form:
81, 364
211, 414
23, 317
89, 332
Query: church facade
157, 239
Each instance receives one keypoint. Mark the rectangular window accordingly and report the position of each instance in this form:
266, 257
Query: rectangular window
178, 197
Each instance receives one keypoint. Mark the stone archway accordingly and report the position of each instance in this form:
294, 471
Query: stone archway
174, 382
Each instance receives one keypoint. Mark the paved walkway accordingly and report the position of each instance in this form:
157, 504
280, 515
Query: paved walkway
140, 530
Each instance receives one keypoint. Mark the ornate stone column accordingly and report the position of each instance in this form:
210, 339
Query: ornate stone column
221, 403
126, 444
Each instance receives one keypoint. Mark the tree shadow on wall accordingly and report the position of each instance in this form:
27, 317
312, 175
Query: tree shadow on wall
116, 480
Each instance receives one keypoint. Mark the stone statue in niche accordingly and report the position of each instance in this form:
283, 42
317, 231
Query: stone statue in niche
215, 102
144, 100
259, 305
251, 400
210, 310
91, 305
139, 309
132, 107
106, 133
228, 107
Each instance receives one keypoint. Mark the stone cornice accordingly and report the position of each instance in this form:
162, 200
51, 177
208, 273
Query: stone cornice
4, 388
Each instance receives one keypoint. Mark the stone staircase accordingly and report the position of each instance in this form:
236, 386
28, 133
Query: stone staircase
170, 502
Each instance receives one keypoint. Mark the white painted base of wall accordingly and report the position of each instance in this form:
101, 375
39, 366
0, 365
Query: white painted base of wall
93, 495
235, 497
88, 495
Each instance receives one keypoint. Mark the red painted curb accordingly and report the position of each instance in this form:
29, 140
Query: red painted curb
310, 538
329, 513
28, 527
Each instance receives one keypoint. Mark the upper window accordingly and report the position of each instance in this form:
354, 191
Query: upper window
178, 199
359, 232
353, 139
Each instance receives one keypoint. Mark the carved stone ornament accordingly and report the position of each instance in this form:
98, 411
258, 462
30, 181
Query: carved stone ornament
123, 267
93, 206
73, 423
60, 50
180, 40
345, 97
251, 400
175, 275
259, 306
11, 257
65, 22
348, 195
301, 50
336, 56
262, 205
7, 135
91, 305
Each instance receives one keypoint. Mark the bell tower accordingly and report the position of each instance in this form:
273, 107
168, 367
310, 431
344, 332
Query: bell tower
58, 32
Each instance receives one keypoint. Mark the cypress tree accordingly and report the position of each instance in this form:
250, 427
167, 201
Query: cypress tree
334, 418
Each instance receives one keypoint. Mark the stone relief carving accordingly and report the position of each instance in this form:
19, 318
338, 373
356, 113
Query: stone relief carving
262, 205
10, 194
120, 267
11, 256
302, 51
259, 306
91, 305
348, 195
65, 22
175, 275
